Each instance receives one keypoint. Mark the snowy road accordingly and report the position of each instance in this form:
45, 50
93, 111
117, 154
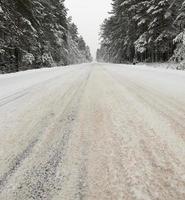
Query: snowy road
93, 132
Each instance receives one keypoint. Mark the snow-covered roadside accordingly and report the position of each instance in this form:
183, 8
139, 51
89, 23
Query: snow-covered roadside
150, 67
15, 82
166, 65
168, 81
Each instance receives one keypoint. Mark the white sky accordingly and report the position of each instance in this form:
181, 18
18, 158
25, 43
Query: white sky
88, 15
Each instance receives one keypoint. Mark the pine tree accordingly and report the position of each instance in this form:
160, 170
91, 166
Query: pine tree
139, 29
36, 34
179, 55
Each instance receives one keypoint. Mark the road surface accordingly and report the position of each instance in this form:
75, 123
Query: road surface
93, 132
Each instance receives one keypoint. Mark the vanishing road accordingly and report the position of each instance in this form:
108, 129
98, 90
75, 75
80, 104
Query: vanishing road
93, 132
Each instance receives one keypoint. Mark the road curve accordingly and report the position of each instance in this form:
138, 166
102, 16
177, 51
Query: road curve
95, 132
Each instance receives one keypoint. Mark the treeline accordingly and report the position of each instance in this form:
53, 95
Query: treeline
38, 33
144, 30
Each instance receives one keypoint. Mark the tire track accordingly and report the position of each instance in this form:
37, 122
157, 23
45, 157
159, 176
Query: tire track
47, 183
17, 95
19, 159
44, 176
165, 107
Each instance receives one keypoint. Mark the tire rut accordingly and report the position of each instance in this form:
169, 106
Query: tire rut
19, 159
44, 176
176, 120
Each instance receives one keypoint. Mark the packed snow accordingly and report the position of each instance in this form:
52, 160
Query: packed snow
15, 82
93, 131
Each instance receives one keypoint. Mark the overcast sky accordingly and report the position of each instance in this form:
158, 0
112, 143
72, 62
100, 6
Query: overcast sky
88, 15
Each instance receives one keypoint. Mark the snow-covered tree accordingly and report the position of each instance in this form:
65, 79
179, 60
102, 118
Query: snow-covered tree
179, 55
34, 30
139, 29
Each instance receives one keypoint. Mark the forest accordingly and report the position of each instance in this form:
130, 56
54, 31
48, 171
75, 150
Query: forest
144, 31
38, 33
